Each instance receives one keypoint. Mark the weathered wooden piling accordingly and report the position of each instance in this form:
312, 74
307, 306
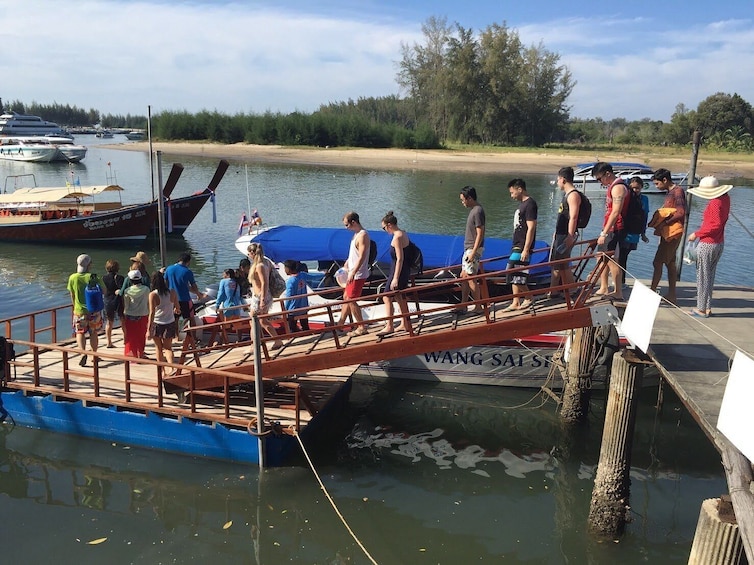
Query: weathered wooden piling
610, 495
717, 540
577, 387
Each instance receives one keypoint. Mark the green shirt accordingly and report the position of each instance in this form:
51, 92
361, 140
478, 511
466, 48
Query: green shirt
76, 286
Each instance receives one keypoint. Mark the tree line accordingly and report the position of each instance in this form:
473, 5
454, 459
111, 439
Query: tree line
459, 87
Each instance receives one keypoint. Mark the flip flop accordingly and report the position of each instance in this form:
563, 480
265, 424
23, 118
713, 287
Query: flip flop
385, 332
524, 305
509, 308
697, 314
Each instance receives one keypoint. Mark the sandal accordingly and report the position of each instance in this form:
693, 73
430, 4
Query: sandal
698, 314
385, 331
524, 305
357, 332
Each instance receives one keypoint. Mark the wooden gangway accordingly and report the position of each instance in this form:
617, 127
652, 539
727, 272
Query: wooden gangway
215, 382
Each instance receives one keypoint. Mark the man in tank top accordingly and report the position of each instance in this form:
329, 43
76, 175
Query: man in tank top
83, 321
357, 266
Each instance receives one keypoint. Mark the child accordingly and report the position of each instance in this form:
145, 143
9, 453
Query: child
112, 282
295, 286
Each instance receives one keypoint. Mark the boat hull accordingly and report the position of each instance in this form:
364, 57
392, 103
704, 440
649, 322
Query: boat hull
124, 224
29, 154
180, 212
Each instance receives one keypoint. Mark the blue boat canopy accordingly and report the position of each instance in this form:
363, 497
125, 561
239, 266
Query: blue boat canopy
331, 244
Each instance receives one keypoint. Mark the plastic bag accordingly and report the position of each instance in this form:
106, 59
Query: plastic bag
689, 253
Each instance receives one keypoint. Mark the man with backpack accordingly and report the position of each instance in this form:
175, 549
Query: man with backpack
566, 229
613, 230
84, 321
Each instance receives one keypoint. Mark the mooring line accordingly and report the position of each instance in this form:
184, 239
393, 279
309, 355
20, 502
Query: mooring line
332, 502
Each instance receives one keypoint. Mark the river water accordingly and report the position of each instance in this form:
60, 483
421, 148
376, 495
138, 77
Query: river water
422, 473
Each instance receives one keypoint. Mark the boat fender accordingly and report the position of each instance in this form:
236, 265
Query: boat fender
608, 344
93, 295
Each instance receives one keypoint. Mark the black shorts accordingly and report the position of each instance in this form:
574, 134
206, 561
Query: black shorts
165, 331
113, 305
612, 242
187, 311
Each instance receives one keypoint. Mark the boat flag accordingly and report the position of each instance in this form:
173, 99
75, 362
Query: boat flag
214, 208
77, 182
244, 223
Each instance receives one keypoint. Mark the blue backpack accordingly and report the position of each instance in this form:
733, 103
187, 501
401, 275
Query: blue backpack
93, 295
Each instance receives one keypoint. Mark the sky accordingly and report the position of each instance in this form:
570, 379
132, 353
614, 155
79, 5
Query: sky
630, 59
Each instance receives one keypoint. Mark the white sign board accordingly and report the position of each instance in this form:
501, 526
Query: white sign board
639, 318
736, 418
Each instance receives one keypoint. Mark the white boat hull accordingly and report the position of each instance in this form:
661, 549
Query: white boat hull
29, 154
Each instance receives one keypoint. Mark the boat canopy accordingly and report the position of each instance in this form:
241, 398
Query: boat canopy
53, 195
331, 244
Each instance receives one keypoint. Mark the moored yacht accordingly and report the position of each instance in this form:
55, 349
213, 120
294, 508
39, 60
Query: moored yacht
17, 149
67, 149
12, 123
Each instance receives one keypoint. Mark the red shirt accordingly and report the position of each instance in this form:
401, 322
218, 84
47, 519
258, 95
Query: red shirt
714, 219
618, 226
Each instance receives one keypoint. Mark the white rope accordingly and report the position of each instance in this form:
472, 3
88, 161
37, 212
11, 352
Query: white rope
332, 502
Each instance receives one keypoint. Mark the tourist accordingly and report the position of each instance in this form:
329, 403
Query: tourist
616, 198
261, 296
473, 249
139, 263
84, 321
357, 267
401, 259
229, 301
296, 292
163, 305
711, 236
112, 282
635, 222
242, 274
524, 236
135, 316
566, 230
672, 226
181, 279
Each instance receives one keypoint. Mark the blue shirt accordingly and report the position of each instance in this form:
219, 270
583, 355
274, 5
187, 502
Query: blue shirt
229, 295
179, 277
295, 285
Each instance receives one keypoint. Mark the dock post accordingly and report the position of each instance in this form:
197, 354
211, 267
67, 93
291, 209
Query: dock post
610, 494
577, 386
717, 540
256, 336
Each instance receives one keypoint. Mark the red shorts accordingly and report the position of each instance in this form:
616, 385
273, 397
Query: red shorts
354, 288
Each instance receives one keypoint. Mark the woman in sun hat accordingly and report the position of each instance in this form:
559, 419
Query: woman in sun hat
711, 236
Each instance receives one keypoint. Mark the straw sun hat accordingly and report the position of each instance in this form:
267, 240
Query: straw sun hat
709, 188
141, 257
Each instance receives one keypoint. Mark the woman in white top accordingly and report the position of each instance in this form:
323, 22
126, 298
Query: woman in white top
163, 305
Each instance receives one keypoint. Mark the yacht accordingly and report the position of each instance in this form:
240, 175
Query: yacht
17, 149
12, 123
135, 135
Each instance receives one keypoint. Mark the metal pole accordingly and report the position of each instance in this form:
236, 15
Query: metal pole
161, 215
697, 140
149, 137
256, 336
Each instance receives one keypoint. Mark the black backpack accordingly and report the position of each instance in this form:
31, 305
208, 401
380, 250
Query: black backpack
634, 220
417, 264
585, 210
7, 354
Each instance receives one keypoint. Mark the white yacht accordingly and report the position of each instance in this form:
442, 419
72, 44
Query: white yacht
42, 149
12, 123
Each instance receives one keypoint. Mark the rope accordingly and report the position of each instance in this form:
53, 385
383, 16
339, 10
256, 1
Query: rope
332, 502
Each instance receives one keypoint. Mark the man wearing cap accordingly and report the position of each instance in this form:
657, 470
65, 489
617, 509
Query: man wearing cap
181, 279
666, 249
711, 236
83, 321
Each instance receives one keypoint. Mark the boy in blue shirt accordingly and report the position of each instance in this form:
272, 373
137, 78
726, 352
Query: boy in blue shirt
295, 286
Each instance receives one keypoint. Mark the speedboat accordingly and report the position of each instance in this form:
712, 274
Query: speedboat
328, 248
18, 149
104, 134
67, 149
135, 135
583, 179
12, 123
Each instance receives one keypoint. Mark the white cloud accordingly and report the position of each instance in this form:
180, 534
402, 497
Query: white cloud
119, 56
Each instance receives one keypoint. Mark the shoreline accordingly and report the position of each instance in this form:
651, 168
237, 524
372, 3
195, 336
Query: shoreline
532, 162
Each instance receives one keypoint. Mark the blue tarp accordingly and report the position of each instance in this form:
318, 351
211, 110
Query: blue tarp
331, 244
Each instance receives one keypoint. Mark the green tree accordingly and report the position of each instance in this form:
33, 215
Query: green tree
720, 112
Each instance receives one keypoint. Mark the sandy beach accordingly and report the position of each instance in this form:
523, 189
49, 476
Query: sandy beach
507, 163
